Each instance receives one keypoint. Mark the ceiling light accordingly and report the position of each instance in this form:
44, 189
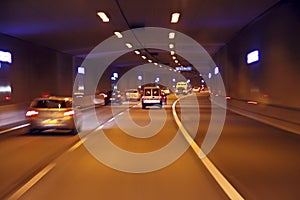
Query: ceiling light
175, 17
150, 61
155, 63
172, 53
174, 57
176, 61
128, 45
171, 35
144, 57
103, 16
137, 52
118, 34
171, 46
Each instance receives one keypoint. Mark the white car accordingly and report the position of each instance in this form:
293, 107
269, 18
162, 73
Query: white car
133, 94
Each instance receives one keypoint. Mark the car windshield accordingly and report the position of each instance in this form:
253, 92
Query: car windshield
46, 103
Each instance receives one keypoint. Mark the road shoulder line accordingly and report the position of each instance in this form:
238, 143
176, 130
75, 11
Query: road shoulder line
230, 191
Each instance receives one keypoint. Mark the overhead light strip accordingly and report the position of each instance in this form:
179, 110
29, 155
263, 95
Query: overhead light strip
103, 16
128, 45
175, 17
118, 34
171, 35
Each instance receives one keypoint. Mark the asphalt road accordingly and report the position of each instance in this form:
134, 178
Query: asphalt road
259, 161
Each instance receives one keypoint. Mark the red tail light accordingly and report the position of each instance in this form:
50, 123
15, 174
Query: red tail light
69, 113
7, 98
31, 113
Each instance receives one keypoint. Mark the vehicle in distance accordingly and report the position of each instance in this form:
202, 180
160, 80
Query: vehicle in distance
152, 96
166, 91
133, 94
51, 113
196, 89
182, 87
116, 97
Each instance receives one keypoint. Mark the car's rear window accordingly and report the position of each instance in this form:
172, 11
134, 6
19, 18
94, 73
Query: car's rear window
147, 92
51, 104
155, 92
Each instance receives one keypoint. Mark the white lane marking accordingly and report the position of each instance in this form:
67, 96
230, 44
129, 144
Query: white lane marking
230, 191
14, 128
110, 120
78, 144
31, 182
49, 167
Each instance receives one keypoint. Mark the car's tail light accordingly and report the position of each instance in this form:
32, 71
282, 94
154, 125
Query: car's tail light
31, 113
69, 113
7, 98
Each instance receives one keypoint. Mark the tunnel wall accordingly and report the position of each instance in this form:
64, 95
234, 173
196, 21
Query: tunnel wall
268, 88
35, 70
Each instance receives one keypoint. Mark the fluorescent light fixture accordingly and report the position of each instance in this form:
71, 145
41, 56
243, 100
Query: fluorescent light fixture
137, 52
80, 70
175, 17
103, 16
171, 35
118, 34
128, 45
253, 56
171, 46
5, 57
172, 53
144, 57
216, 70
116, 75
209, 75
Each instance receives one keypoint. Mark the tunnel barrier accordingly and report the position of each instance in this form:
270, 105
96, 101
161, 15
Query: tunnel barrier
282, 117
13, 113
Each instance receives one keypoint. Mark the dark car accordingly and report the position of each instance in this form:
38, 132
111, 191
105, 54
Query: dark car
116, 97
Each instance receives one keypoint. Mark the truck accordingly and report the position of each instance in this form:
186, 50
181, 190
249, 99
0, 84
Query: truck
182, 87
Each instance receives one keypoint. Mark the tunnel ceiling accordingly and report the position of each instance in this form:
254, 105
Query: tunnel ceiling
73, 27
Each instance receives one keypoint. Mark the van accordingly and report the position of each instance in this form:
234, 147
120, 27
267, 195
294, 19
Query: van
152, 96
